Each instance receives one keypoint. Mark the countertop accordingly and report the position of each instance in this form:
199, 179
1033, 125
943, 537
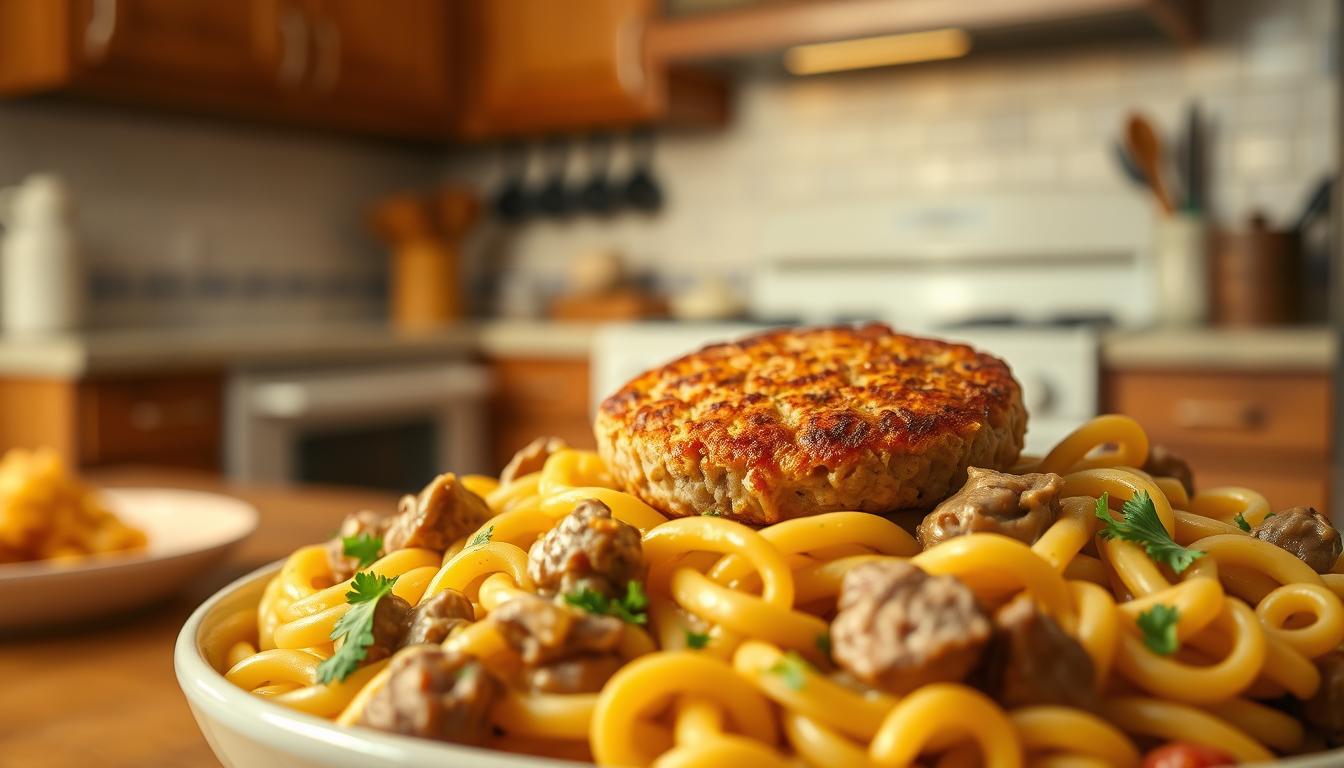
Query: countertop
121, 351
104, 693
1277, 349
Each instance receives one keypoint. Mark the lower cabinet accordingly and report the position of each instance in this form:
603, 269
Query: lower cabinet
1269, 431
539, 397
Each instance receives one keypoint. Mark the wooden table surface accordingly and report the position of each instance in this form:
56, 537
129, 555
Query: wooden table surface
104, 694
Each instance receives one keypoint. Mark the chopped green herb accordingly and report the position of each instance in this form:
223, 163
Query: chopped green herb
792, 669
364, 547
1240, 520
824, 644
481, 537
355, 628
1158, 625
1266, 517
632, 608
711, 513
1142, 526
696, 640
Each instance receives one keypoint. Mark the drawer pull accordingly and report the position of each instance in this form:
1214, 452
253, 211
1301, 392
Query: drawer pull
1219, 414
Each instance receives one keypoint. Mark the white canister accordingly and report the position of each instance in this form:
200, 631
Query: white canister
1181, 270
41, 283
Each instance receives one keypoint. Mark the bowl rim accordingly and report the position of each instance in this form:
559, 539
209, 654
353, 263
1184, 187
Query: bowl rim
288, 731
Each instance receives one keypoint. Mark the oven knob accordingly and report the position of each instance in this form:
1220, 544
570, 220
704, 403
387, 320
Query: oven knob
1039, 394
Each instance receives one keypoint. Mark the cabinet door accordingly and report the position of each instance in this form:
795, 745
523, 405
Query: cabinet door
385, 61
156, 44
539, 65
161, 420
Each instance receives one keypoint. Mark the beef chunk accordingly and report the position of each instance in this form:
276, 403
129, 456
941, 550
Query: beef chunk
355, 524
1020, 506
542, 631
434, 694
531, 458
1163, 463
1325, 710
444, 512
1031, 661
391, 619
899, 628
1304, 532
589, 548
581, 674
434, 618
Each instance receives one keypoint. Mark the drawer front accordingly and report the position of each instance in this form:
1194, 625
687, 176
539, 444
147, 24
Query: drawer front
1285, 479
173, 421
1227, 411
542, 386
535, 398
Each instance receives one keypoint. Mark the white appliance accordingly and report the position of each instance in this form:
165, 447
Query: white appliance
40, 270
389, 426
1021, 277
930, 262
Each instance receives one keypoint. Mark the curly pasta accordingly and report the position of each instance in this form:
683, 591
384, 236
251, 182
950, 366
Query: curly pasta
1251, 619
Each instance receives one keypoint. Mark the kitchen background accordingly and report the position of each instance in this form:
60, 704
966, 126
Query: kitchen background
235, 293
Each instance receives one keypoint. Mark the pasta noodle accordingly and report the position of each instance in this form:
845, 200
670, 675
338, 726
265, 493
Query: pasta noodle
735, 668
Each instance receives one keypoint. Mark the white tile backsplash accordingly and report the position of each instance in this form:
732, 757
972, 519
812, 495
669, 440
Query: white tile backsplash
996, 123
186, 220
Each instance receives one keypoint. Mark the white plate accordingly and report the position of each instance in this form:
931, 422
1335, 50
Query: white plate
188, 531
247, 731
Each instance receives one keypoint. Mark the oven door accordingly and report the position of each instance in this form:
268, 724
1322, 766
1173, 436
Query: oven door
390, 427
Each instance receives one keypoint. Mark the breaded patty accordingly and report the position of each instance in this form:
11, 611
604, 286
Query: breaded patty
792, 423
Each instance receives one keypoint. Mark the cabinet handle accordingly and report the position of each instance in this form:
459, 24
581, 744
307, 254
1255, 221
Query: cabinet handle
1219, 414
328, 44
102, 27
630, 56
293, 46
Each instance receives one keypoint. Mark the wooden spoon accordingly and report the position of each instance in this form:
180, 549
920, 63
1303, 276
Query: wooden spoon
1146, 148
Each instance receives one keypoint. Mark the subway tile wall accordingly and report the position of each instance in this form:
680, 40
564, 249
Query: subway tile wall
995, 123
195, 221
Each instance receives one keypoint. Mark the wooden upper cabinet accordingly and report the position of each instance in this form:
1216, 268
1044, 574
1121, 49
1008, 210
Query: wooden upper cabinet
538, 66
202, 43
385, 63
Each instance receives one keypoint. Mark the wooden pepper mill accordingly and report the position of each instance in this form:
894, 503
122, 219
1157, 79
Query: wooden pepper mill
426, 234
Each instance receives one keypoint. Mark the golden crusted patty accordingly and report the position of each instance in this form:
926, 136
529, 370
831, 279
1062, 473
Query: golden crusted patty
798, 422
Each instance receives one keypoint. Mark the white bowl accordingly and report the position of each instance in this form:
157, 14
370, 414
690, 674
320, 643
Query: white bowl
187, 532
246, 731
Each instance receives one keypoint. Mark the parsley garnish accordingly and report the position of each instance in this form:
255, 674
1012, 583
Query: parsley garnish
1142, 526
1240, 520
356, 626
481, 537
792, 669
631, 608
1158, 625
824, 644
696, 640
364, 547
1266, 517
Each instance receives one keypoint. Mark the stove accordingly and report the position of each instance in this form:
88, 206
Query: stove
1033, 279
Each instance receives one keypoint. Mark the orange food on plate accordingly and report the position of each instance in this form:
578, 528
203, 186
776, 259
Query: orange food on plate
47, 513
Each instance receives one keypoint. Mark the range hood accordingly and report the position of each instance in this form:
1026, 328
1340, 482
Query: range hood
725, 30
